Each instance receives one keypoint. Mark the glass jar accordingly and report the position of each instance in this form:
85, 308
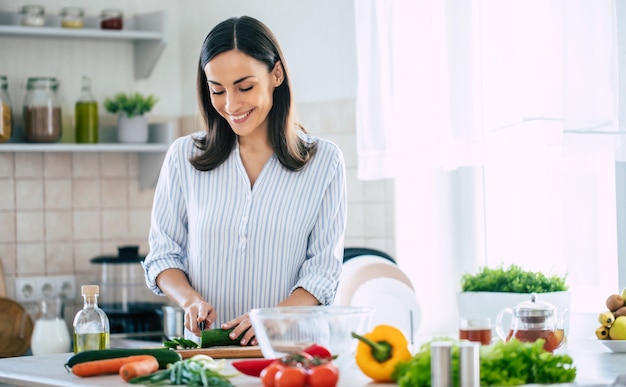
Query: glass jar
42, 110
32, 15
72, 17
111, 19
50, 334
6, 122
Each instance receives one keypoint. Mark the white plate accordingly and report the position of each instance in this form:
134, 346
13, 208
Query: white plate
357, 277
349, 275
395, 304
614, 345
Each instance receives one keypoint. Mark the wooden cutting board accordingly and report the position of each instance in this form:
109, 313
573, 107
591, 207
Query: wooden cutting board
229, 352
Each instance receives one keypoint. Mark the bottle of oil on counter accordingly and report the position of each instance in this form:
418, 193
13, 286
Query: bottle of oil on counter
91, 324
86, 115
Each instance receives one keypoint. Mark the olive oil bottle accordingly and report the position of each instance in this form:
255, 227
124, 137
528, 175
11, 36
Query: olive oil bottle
91, 324
86, 115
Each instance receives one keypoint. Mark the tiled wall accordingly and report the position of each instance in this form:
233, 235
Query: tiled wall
59, 210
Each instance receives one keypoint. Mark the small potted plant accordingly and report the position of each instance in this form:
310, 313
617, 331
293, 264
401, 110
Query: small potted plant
487, 292
131, 109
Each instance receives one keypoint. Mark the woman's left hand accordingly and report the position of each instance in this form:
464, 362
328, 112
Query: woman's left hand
241, 324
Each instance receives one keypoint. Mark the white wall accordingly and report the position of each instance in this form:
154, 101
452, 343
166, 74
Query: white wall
317, 37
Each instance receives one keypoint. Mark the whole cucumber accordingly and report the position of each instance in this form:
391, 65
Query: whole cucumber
163, 356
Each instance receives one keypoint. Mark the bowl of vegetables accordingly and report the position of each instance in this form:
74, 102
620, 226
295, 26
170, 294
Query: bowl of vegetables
283, 330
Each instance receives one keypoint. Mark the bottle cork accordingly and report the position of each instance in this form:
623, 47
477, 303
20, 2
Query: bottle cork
90, 289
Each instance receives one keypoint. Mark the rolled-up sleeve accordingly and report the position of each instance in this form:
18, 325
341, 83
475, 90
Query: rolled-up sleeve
320, 272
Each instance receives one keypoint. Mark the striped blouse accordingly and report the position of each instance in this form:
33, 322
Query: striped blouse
244, 248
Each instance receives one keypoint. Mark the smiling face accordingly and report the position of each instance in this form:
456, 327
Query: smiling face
241, 90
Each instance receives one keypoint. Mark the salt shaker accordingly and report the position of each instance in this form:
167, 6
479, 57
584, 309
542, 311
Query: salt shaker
441, 364
469, 364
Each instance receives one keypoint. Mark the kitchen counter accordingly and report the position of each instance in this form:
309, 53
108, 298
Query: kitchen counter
596, 366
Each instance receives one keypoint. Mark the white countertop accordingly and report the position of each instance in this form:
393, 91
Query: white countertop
595, 365
48, 370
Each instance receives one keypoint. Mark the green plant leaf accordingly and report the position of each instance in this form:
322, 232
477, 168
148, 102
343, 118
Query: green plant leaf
132, 104
512, 280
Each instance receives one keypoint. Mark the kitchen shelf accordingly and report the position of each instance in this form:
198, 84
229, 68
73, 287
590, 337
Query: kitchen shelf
101, 147
145, 31
150, 154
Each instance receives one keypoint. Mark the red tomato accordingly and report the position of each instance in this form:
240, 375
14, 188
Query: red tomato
290, 377
268, 375
318, 350
325, 375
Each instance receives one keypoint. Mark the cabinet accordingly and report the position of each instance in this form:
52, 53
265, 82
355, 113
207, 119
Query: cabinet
146, 32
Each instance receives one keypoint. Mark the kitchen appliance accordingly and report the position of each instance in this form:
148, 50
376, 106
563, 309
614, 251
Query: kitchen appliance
131, 307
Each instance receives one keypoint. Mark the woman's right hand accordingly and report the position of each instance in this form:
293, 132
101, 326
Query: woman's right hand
175, 285
198, 312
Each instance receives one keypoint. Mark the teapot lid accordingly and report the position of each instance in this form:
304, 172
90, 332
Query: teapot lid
534, 308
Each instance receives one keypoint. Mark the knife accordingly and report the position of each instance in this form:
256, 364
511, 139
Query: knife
201, 325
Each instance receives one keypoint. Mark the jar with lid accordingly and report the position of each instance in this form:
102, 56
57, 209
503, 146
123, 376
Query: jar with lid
32, 15
72, 17
42, 110
6, 122
111, 19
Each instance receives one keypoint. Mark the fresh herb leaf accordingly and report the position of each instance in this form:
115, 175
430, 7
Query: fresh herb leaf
512, 280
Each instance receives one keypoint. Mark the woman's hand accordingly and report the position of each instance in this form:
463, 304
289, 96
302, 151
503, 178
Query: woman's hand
241, 324
175, 285
197, 312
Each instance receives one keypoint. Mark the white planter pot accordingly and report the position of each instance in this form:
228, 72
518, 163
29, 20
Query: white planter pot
489, 304
132, 130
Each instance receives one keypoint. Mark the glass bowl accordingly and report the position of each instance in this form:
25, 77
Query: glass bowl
281, 330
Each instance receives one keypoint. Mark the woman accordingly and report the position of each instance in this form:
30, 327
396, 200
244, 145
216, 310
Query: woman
252, 212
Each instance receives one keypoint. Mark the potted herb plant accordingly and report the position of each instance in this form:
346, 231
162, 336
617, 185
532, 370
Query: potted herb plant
490, 290
131, 109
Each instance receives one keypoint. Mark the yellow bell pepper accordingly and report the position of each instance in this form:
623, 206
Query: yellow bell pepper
379, 351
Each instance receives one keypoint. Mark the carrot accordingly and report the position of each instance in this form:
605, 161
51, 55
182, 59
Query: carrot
139, 368
105, 366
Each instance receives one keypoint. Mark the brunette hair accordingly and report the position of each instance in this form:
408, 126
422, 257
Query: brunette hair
253, 38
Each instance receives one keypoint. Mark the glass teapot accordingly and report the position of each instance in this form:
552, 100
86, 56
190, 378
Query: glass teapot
533, 320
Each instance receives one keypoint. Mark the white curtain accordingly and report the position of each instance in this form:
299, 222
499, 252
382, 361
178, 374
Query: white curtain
449, 82
498, 121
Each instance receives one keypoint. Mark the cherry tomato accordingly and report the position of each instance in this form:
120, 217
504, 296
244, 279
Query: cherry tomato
319, 351
324, 375
294, 359
290, 377
268, 375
